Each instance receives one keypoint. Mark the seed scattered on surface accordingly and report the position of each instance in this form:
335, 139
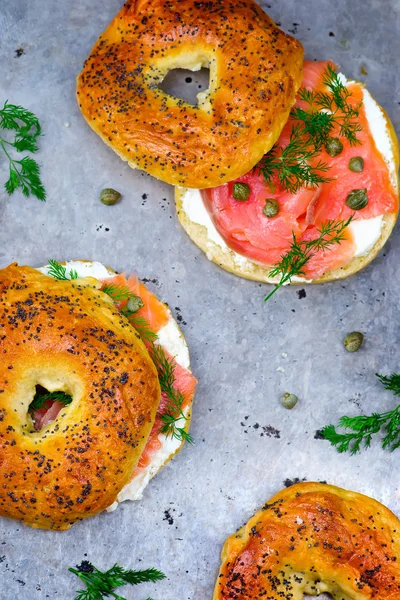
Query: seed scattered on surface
134, 304
271, 208
353, 341
109, 196
333, 146
357, 199
356, 164
288, 400
241, 191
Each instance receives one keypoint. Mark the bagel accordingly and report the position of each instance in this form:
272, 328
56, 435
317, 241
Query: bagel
255, 71
312, 538
102, 448
370, 236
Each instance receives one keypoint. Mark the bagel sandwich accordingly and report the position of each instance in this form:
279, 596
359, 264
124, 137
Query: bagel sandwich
240, 237
95, 391
255, 72
313, 538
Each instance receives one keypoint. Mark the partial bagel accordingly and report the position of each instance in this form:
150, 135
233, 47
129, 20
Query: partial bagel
235, 263
68, 335
312, 538
255, 72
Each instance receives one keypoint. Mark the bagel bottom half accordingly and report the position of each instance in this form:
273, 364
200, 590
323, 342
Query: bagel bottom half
209, 240
201, 229
312, 538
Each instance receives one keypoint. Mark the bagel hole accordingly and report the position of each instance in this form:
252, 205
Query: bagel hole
185, 84
46, 406
323, 596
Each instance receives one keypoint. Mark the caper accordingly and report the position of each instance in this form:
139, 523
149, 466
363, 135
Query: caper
353, 341
241, 191
271, 208
134, 304
356, 164
109, 196
333, 146
357, 199
289, 401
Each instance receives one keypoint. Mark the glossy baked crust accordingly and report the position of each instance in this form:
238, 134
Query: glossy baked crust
313, 538
67, 335
255, 72
228, 259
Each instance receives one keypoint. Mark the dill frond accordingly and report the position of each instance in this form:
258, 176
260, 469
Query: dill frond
293, 262
297, 165
23, 173
361, 428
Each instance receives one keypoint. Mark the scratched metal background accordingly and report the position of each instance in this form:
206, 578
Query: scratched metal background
237, 343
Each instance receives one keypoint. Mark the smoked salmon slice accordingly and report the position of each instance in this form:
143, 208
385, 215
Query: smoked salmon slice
47, 414
245, 228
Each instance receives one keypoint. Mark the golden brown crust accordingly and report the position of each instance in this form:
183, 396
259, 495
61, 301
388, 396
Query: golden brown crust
255, 72
228, 259
68, 336
313, 538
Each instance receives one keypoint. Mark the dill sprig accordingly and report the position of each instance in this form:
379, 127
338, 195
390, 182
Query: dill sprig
102, 584
174, 414
293, 262
58, 271
391, 383
23, 173
329, 109
143, 328
42, 396
361, 428
118, 292
294, 165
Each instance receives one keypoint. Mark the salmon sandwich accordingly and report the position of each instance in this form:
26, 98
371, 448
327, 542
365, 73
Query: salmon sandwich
285, 171
319, 205
95, 391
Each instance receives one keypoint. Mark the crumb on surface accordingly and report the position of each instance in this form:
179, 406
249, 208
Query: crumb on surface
289, 482
168, 517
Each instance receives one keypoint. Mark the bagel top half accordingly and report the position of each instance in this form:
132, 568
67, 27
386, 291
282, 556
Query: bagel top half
68, 336
312, 538
255, 72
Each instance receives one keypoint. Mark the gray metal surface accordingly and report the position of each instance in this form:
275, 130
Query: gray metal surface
244, 353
